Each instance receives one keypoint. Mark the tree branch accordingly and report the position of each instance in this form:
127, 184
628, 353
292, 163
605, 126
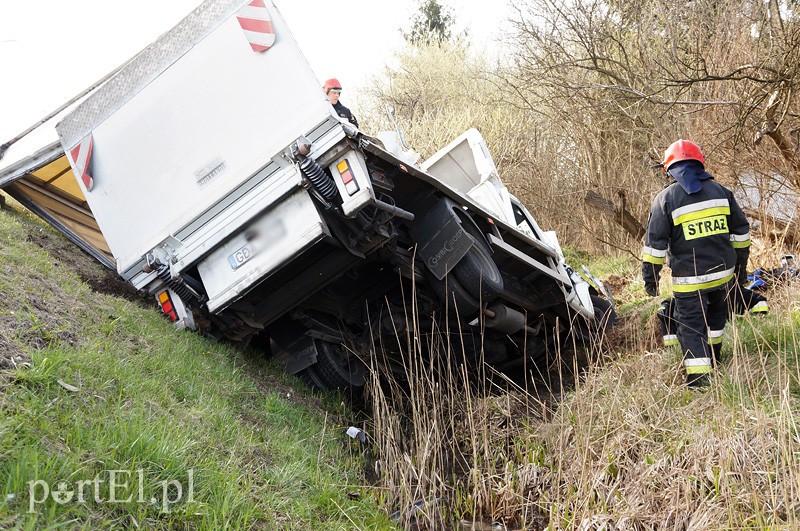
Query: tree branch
617, 213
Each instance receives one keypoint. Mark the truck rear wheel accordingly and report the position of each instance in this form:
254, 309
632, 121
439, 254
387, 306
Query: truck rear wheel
456, 298
474, 280
334, 369
478, 273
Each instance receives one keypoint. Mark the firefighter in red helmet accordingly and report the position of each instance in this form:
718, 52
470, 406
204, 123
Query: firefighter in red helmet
696, 226
333, 89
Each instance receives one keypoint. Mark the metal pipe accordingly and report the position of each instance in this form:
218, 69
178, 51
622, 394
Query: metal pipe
491, 315
394, 210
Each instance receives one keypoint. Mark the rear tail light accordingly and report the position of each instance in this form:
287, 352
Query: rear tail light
165, 301
346, 175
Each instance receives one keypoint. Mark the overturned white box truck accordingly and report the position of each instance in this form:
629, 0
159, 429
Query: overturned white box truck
224, 185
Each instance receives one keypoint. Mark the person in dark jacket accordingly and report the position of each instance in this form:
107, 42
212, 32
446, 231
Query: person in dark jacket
333, 90
696, 226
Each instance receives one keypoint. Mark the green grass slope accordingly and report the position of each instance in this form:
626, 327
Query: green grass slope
110, 418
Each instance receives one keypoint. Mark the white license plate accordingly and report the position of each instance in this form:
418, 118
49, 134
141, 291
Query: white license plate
266, 236
241, 256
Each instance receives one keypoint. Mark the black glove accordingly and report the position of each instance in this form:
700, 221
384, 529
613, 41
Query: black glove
740, 273
651, 288
651, 274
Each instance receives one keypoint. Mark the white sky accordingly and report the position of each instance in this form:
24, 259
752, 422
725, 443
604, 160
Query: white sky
79, 41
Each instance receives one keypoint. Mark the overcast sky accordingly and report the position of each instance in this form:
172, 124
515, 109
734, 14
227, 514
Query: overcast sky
51, 50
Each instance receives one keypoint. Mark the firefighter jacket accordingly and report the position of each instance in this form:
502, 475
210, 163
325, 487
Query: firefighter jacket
345, 113
703, 236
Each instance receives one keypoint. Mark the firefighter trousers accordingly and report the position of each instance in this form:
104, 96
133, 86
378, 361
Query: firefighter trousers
701, 317
740, 301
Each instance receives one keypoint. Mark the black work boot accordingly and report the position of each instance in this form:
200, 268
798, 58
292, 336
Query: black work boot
698, 381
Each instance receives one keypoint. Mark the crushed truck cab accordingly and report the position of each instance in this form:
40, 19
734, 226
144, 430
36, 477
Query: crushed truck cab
225, 186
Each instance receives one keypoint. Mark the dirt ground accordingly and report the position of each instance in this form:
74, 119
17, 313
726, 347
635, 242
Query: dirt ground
100, 278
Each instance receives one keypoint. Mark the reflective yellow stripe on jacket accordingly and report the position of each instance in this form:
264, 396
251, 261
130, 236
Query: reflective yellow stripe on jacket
703, 209
740, 241
654, 256
711, 280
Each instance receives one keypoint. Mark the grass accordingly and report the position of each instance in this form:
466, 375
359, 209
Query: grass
644, 452
92, 383
624, 446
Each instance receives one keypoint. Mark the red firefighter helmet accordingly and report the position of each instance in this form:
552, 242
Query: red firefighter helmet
682, 150
331, 83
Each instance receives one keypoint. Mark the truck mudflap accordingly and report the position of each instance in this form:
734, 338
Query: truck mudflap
446, 241
260, 248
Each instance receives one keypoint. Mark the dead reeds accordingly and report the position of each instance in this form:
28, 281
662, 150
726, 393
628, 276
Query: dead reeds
623, 446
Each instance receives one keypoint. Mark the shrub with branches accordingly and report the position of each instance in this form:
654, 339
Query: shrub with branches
617, 82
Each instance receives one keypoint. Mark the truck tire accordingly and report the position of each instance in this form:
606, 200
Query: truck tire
313, 380
457, 300
477, 272
591, 333
605, 317
335, 370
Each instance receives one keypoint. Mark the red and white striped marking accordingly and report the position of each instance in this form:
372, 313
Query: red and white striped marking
79, 158
257, 25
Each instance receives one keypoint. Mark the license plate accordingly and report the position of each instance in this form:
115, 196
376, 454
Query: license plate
265, 236
241, 256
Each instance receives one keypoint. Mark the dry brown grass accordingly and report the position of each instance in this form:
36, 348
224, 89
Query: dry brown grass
626, 447
645, 453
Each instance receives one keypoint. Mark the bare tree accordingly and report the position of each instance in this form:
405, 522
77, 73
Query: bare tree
618, 81
592, 93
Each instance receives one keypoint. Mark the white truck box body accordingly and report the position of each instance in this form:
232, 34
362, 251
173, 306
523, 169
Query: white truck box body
187, 121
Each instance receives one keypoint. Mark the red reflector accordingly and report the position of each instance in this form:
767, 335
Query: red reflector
166, 306
348, 179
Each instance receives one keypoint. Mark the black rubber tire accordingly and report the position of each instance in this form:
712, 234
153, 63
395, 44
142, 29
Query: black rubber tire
605, 317
478, 273
455, 298
312, 379
590, 333
336, 370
